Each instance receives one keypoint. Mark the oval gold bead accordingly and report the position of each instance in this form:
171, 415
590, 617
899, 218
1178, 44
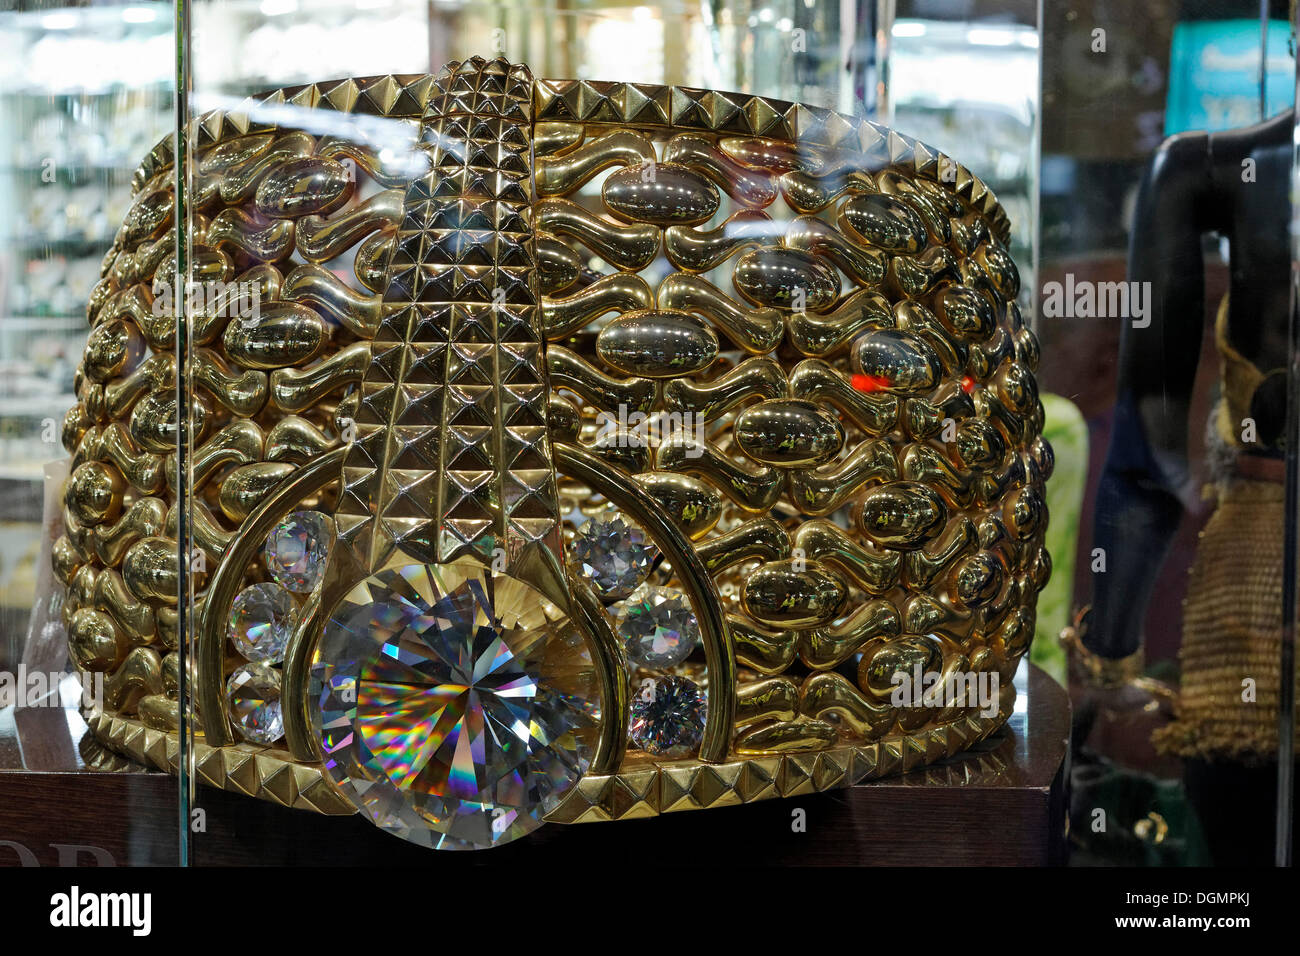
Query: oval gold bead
1001, 269
246, 486
903, 515
303, 186
884, 222
788, 432
778, 278
94, 493
150, 212
657, 343
1025, 513
153, 421
665, 194
693, 505
113, 349
558, 264
787, 737
65, 559
879, 665
977, 579
979, 444
150, 570
793, 593
896, 361
234, 152
92, 640
284, 334
965, 313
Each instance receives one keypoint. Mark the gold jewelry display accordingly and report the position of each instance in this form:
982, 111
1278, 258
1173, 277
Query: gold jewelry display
507, 508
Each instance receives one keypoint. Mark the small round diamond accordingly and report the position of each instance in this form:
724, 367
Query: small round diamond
668, 715
253, 693
261, 620
612, 555
657, 627
296, 549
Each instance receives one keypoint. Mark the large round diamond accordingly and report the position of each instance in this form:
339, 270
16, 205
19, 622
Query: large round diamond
454, 704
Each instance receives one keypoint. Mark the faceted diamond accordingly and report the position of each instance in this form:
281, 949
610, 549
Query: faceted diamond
454, 703
296, 550
253, 693
657, 626
668, 715
261, 620
612, 555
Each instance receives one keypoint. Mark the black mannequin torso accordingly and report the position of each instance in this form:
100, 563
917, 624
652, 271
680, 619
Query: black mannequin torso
1197, 183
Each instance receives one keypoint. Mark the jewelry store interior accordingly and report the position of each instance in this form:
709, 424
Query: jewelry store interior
843, 432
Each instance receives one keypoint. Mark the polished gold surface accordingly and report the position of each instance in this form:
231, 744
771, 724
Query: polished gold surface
826, 306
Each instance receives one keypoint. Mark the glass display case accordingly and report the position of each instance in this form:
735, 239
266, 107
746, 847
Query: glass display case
536, 427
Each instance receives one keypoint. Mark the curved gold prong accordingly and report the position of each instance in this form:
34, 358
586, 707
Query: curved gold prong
677, 550
561, 175
552, 139
752, 378
320, 239
694, 505
150, 572
874, 412
246, 485
267, 241
371, 261
760, 538
314, 284
134, 619
294, 390
240, 181
154, 372
140, 674
295, 439
237, 443
821, 335
612, 293
821, 490
755, 488
830, 693
145, 518
810, 234
142, 469
916, 275
768, 652
776, 698
699, 250
823, 648
210, 635
748, 186
787, 737
242, 393
626, 247
371, 162
207, 533
568, 370
259, 284
876, 572
811, 192
754, 330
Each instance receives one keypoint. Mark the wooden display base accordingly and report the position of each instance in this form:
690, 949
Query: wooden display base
1001, 803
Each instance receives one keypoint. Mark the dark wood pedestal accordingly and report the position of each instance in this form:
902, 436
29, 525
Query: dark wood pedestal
1002, 803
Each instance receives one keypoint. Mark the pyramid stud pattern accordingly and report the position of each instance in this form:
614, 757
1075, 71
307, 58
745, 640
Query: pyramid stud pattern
452, 455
